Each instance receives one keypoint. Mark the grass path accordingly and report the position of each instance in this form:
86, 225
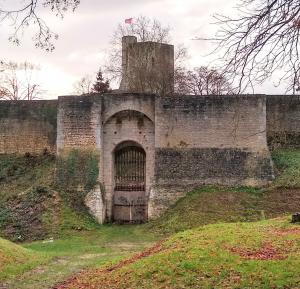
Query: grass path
79, 251
258, 255
48, 263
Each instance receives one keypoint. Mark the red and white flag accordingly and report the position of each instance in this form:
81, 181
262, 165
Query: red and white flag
128, 20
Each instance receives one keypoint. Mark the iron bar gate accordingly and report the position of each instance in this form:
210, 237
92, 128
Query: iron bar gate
130, 169
130, 204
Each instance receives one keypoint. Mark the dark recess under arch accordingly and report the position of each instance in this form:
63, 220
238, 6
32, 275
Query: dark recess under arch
130, 182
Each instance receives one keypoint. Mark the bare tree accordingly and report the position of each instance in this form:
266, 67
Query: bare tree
28, 13
16, 81
84, 85
263, 40
145, 29
181, 81
202, 81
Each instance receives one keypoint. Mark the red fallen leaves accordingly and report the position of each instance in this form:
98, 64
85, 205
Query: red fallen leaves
150, 251
73, 280
266, 252
284, 232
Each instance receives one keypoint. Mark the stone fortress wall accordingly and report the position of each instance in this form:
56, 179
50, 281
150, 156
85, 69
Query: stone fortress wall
31, 126
28, 126
218, 139
187, 140
78, 120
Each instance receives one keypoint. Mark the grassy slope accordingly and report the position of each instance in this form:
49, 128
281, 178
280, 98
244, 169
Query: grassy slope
31, 209
27, 180
20, 173
265, 254
213, 204
30, 206
77, 251
15, 259
216, 204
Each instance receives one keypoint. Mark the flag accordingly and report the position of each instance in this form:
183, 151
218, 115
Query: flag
128, 20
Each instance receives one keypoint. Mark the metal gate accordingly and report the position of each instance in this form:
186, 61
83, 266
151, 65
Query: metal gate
130, 177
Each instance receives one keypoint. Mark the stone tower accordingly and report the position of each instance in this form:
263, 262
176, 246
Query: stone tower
147, 67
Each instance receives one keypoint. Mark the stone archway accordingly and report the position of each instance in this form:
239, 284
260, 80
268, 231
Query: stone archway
126, 128
129, 200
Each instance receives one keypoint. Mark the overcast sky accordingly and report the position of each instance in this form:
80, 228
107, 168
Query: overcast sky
84, 37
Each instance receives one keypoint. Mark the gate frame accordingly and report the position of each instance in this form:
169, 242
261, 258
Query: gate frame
121, 145
112, 134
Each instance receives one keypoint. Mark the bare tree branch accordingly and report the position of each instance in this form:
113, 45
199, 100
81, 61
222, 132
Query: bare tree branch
28, 15
84, 85
16, 81
263, 40
202, 81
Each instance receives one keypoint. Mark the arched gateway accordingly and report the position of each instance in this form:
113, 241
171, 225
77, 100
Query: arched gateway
129, 201
177, 142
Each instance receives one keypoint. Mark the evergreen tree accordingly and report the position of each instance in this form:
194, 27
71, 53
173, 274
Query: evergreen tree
101, 85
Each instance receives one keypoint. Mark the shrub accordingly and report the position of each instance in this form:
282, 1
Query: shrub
287, 164
77, 174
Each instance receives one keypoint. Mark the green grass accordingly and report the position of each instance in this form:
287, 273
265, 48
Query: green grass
206, 258
20, 173
15, 260
31, 205
29, 182
287, 164
74, 252
211, 204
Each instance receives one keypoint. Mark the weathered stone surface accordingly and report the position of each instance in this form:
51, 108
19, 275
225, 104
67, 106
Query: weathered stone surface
28, 126
148, 67
211, 122
283, 120
78, 122
227, 166
162, 197
94, 200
